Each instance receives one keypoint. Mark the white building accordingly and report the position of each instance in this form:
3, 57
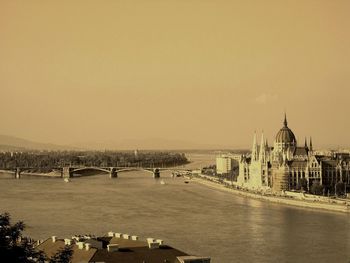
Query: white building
224, 164
287, 166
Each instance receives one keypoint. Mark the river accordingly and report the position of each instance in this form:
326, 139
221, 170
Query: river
191, 217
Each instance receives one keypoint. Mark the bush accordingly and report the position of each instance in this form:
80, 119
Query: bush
316, 188
339, 188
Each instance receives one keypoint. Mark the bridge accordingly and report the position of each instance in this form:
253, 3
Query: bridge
69, 171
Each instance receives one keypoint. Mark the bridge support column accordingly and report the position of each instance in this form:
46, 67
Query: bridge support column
18, 173
66, 172
156, 173
113, 173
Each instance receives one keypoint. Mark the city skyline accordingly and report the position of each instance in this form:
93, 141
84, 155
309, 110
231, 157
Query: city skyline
199, 72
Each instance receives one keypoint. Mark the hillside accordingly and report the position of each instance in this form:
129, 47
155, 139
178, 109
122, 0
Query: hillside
11, 143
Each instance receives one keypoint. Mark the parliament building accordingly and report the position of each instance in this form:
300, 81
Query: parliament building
289, 166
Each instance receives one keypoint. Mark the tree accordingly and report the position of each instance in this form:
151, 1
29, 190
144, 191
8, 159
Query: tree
12, 247
16, 249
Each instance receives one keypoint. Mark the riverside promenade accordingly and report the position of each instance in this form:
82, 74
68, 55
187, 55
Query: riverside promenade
289, 198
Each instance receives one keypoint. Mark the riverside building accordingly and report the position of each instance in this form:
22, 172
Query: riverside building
118, 248
224, 164
288, 165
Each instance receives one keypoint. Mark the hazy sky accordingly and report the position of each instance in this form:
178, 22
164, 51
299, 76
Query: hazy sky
208, 72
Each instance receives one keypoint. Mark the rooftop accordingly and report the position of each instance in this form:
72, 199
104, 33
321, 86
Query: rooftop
121, 248
138, 254
79, 255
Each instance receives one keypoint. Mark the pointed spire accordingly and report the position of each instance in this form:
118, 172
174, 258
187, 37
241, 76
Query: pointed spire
266, 144
305, 143
262, 148
285, 123
262, 138
310, 144
254, 149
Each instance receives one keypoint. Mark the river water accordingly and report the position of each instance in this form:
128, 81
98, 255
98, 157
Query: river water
191, 217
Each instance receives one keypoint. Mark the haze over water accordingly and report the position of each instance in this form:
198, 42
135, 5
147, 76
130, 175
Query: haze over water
190, 217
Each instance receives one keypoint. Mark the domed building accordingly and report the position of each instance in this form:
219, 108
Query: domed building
287, 166
285, 138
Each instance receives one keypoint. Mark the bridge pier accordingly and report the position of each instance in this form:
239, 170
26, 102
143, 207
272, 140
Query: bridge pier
18, 173
66, 172
113, 173
156, 173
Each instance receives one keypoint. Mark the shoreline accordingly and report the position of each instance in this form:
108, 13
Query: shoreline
11, 174
345, 208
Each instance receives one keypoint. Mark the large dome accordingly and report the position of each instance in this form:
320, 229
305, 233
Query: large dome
285, 135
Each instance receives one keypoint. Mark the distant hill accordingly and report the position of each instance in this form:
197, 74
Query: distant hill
11, 143
10, 148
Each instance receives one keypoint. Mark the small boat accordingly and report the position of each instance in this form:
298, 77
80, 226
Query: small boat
186, 182
162, 182
66, 180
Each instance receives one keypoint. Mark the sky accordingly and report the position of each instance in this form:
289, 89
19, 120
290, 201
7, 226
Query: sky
202, 72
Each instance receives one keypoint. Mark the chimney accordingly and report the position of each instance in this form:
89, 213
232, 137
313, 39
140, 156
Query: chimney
161, 242
77, 238
67, 241
80, 245
87, 246
126, 236
111, 234
112, 247
150, 240
54, 239
134, 238
153, 245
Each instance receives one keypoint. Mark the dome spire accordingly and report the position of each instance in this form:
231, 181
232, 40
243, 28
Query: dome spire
285, 120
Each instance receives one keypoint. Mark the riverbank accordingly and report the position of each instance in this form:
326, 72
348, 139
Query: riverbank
11, 174
288, 200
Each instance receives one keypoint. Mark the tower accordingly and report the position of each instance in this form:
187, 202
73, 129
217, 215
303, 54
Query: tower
310, 144
285, 141
262, 153
254, 149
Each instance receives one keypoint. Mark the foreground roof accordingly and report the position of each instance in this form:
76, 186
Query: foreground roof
138, 254
79, 255
121, 248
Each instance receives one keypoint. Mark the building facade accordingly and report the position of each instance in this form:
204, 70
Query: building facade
224, 164
289, 166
